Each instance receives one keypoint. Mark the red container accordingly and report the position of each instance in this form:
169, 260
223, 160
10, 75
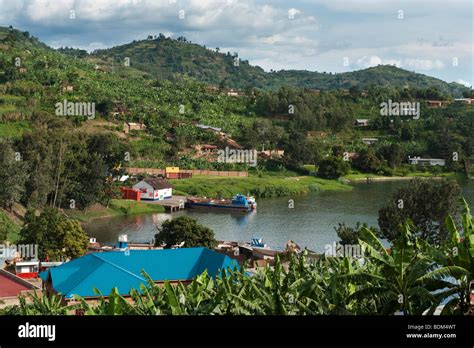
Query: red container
131, 193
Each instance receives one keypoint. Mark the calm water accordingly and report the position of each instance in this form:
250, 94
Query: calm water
310, 223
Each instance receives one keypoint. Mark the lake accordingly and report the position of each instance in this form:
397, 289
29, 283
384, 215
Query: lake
310, 223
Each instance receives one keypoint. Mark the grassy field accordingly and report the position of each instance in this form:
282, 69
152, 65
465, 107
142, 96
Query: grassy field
9, 227
118, 207
260, 186
13, 129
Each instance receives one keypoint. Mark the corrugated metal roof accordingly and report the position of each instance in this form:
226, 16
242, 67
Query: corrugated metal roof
11, 287
158, 183
107, 270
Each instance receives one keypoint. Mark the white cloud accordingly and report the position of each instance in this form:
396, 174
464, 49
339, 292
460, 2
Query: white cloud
369, 61
422, 64
463, 82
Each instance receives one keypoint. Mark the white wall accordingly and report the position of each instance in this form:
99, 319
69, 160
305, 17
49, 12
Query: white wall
145, 189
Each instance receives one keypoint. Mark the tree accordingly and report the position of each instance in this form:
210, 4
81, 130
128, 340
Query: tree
13, 175
333, 168
405, 277
367, 161
315, 151
426, 203
296, 149
58, 237
349, 235
187, 230
393, 153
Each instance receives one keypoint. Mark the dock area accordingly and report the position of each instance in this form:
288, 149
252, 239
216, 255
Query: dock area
172, 204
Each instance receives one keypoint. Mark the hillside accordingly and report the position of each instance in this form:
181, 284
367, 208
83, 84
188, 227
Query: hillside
171, 59
79, 151
382, 75
166, 58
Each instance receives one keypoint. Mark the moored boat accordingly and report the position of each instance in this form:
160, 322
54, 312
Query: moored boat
238, 203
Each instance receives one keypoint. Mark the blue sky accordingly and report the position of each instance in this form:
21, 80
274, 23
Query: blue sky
434, 37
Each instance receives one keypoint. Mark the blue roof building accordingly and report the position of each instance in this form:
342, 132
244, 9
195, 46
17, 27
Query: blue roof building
122, 270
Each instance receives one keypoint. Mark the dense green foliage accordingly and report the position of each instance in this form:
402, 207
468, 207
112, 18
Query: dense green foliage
13, 174
185, 230
8, 229
58, 237
333, 168
426, 203
349, 235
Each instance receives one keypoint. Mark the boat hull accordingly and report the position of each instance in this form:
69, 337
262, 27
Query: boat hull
219, 206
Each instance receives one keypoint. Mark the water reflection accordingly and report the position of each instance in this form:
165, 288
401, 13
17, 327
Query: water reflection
310, 223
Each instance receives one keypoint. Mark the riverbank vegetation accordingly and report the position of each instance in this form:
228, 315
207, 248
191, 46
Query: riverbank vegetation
263, 185
117, 207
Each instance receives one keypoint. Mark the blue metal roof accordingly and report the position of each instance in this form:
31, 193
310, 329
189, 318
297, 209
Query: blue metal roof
107, 270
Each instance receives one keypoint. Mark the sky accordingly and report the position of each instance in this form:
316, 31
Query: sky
433, 37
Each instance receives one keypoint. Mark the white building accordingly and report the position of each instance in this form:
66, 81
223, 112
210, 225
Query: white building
427, 161
154, 189
361, 122
369, 141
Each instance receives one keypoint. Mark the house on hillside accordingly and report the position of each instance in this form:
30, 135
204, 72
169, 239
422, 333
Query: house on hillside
208, 149
369, 141
271, 153
427, 161
115, 269
361, 122
212, 129
435, 104
234, 93
154, 189
212, 89
467, 101
67, 87
129, 126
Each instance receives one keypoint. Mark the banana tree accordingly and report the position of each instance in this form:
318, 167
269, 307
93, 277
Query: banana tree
406, 279
459, 251
43, 305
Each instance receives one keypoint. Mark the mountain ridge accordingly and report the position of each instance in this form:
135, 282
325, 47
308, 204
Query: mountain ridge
164, 58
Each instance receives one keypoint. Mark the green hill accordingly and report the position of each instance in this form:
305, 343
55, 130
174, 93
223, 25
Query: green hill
166, 58
171, 59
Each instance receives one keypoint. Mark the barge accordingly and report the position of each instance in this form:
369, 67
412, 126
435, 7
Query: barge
238, 203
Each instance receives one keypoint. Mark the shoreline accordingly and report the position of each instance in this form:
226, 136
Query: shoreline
118, 207
392, 178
